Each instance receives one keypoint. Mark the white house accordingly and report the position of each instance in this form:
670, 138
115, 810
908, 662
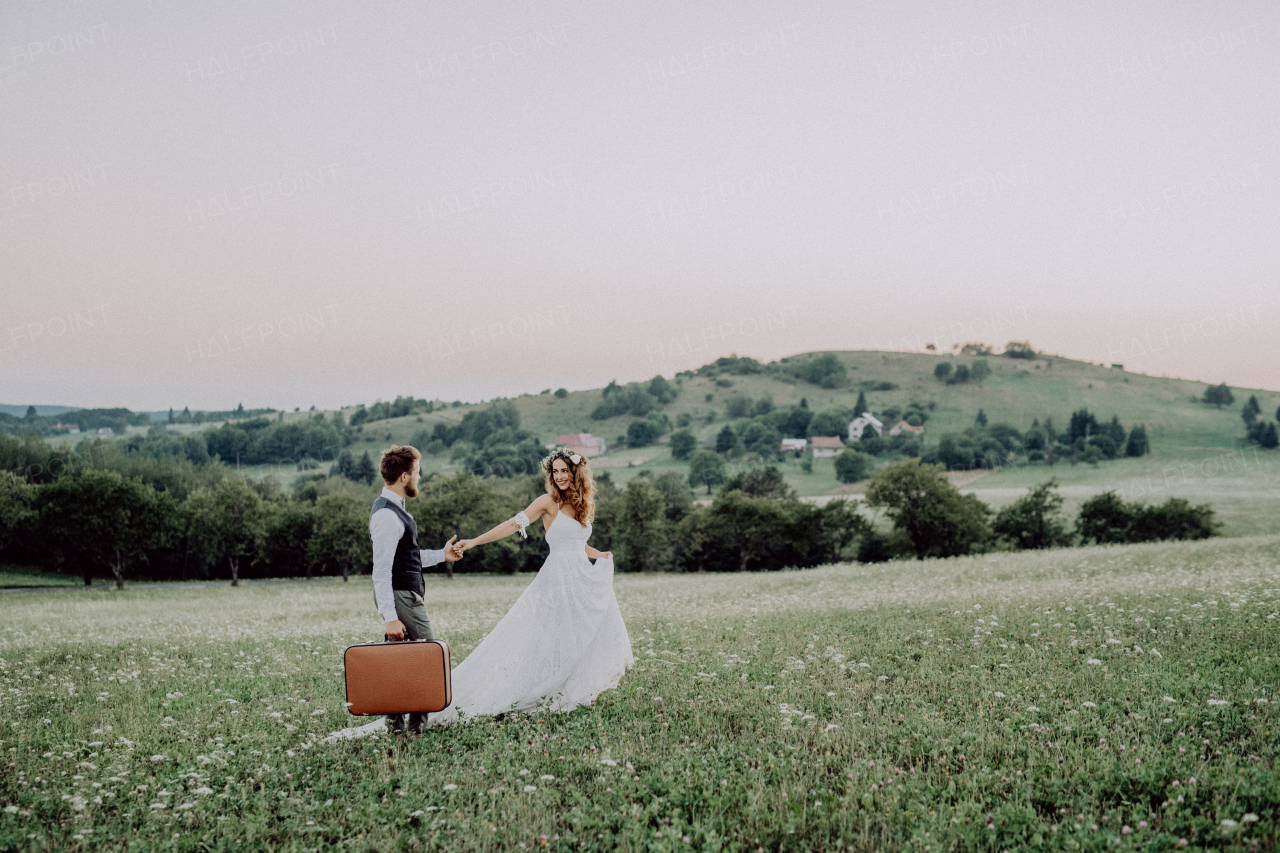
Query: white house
106, 432
793, 445
860, 423
824, 446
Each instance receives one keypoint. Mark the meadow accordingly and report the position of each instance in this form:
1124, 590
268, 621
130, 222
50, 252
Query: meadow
1107, 698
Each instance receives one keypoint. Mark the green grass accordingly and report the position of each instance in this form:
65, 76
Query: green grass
894, 706
19, 576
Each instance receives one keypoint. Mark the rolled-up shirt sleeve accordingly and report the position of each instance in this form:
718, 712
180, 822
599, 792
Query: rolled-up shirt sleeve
432, 558
385, 529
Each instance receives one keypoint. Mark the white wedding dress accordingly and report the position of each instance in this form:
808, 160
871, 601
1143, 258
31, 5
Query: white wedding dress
562, 643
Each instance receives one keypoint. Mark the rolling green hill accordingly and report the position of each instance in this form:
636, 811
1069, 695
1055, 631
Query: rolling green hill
1197, 450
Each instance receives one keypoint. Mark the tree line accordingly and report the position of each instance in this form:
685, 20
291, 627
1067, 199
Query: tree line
99, 512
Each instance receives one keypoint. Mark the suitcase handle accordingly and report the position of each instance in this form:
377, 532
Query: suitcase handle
386, 638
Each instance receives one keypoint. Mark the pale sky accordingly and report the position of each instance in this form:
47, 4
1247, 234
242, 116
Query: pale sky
288, 204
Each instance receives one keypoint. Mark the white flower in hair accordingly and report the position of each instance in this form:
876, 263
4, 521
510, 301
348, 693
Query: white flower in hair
576, 458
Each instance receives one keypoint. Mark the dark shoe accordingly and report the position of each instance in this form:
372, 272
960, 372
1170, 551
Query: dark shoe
395, 726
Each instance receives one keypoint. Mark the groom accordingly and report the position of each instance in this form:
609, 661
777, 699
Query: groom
398, 562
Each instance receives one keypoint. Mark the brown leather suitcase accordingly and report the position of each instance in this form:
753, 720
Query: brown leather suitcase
398, 677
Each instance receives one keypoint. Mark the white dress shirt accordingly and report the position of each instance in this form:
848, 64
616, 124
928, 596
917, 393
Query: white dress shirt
386, 528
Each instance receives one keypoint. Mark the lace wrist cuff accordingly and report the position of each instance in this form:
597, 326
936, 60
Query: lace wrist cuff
523, 520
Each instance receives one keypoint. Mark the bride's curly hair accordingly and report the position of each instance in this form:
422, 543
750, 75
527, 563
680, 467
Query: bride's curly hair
581, 494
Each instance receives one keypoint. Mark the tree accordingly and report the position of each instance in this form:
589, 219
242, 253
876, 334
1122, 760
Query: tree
706, 468
1019, 349
961, 375
365, 472
641, 434
1082, 425
1218, 395
464, 505
676, 496
341, 533
727, 441
1250, 411
98, 517
1270, 438
1104, 519
641, 526
682, 444
979, 371
942, 370
1034, 520
766, 482
561, 393
31, 413
981, 419
762, 440
16, 512
289, 532
829, 423
852, 466
1137, 443
928, 512
860, 406
171, 414
229, 523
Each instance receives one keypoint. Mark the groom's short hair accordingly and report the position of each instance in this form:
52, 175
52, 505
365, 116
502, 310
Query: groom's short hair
397, 460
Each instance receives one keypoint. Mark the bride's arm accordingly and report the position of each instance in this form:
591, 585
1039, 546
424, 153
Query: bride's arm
596, 555
536, 510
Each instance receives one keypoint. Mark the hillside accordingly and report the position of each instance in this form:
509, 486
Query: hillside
1196, 450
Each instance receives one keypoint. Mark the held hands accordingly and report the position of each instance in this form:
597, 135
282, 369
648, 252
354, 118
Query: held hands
465, 545
453, 550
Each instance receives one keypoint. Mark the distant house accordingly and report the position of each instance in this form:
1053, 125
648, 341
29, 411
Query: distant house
824, 446
860, 423
903, 426
582, 442
71, 428
106, 432
794, 445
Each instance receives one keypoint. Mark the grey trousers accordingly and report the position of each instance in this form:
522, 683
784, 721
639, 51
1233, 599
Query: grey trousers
412, 611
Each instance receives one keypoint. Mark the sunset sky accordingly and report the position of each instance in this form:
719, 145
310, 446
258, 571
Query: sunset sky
288, 204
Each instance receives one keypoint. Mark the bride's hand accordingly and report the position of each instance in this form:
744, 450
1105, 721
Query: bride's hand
465, 545
605, 555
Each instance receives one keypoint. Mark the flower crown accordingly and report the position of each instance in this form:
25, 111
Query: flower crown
560, 453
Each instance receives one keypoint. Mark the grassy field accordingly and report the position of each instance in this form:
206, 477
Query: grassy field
1082, 699
20, 576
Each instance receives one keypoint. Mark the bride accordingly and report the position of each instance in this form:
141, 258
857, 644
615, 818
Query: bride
563, 642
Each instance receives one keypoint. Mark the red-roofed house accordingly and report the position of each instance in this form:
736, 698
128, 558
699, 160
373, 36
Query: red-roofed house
824, 446
903, 426
582, 442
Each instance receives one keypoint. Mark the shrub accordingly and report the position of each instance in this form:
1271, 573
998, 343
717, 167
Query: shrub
1034, 520
562, 393
852, 466
737, 406
942, 370
641, 433
683, 443
1107, 519
929, 513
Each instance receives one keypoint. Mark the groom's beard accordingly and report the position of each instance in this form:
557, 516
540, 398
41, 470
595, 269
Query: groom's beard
410, 490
